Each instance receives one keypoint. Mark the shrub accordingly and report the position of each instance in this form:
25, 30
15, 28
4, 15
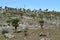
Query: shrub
4, 31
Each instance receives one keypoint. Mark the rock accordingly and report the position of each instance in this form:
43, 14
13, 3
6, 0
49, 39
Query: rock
45, 38
8, 35
22, 26
42, 34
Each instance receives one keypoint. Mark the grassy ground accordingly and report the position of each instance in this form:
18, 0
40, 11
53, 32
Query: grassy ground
53, 34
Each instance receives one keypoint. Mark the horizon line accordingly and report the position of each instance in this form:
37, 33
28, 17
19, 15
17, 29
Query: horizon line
31, 8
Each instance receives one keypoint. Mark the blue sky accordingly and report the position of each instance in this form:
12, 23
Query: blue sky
32, 4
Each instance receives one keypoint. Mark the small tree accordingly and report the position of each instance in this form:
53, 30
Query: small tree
15, 23
41, 22
33, 15
21, 14
8, 22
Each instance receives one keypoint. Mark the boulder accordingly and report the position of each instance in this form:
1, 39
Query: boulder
45, 38
8, 35
42, 34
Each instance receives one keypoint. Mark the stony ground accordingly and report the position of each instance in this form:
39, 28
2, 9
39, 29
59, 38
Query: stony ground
53, 34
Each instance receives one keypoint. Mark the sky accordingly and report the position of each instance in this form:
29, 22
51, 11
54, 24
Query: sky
32, 4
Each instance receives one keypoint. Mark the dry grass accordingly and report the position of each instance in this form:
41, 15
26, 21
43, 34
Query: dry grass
53, 34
